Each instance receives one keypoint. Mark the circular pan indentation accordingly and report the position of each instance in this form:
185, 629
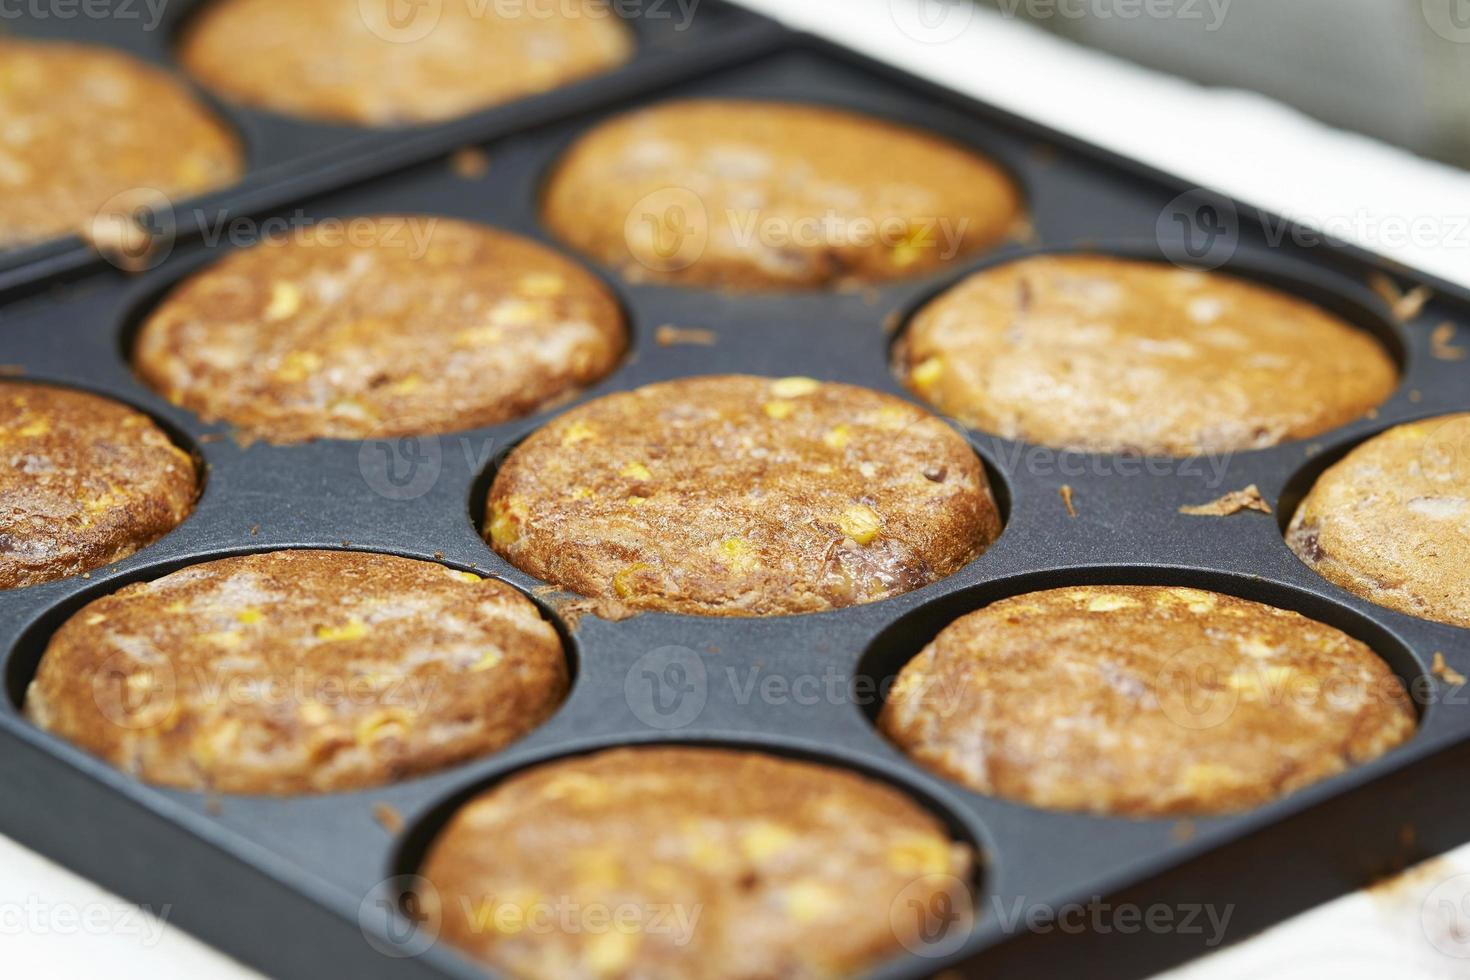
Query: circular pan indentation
1332, 293
679, 218
930, 796
176, 436
907, 538
26, 654
1409, 507
1196, 703
357, 339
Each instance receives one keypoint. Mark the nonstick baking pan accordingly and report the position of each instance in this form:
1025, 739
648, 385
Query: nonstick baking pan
306, 887
288, 157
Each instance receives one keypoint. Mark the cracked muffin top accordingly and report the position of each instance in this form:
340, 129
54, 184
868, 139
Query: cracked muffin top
1143, 701
767, 195
85, 482
1390, 522
739, 864
380, 326
291, 672
733, 495
1100, 354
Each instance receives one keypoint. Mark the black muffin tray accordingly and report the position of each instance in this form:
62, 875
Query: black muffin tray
288, 158
306, 887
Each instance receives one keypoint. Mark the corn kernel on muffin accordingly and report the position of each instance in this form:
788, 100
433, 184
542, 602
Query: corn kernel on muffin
733, 495
80, 125
295, 672
383, 63
1110, 355
84, 482
1390, 522
767, 195
738, 864
1143, 701
408, 325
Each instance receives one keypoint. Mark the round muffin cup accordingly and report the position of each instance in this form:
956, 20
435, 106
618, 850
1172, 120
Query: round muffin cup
735, 861
1386, 521
424, 325
87, 481
733, 495
1110, 352
1142, 701
299, 671
761, 195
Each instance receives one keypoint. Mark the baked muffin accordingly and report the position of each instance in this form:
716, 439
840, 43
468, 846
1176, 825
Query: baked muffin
80, 125
85, 482
1390, 522
299, 672
414, 325
1143, 701
1111, 355
769, 195
733, 495
739, 864
384, 63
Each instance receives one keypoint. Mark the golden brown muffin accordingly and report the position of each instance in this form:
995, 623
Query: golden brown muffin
1111, 355
382, 63
84, 482
1391, 521
299, 672
732, 865
416, 325
1143, 701
762, 195
80, 125
733, 495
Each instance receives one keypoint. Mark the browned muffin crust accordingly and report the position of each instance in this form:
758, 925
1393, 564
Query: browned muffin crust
733, 495
381, 64
1390, 522
761, 195
739, 864
295, 672
1111, 355
84, 481
80, 125
1143, 701
408, 325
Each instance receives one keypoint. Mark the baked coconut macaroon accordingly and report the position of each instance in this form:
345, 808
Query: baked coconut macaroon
1390, 522
1101, 354
386, 64
85, 482
733, 495
81, 126
741, 864
1143, 701
749, 195
409, 325
293, 672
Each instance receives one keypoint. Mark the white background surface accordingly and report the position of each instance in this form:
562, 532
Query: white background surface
55, 925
